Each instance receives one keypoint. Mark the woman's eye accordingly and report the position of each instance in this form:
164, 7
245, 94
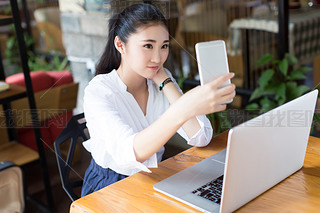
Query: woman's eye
165, 46
149, 46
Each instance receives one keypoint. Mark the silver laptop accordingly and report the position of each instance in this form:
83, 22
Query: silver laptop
260, 153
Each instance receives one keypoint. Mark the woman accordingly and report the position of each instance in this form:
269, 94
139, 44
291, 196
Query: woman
133, 106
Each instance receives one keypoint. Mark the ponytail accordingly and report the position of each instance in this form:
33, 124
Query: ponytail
123, 25
110, 58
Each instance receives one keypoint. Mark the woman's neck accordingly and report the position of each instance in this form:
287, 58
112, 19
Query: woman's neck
136, 86
134, 82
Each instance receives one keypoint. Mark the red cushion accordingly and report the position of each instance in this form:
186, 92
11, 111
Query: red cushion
50, 130
27, 138
40, 80
57, 123
60, 77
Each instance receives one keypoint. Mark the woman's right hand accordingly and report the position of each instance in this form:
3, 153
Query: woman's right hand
209, 98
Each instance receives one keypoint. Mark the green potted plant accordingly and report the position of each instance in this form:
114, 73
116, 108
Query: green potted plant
280, 83
35, 61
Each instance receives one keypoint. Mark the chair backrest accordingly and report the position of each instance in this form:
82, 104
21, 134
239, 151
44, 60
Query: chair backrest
12, 197
75, 129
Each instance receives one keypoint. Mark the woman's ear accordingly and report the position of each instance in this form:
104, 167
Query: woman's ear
119, 45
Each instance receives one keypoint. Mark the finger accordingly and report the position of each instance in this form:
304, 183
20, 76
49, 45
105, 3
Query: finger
228, 97
221, 79
220, 107
226, 89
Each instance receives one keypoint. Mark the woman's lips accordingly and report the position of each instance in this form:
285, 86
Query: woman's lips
153, 67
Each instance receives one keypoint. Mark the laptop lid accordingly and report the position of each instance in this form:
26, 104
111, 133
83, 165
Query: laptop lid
260, 153
266, 150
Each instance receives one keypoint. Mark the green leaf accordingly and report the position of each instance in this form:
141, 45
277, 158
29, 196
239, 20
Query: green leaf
270, 89
29, 41
281, 101
224, 122
283, 66
281, 92
265, 59
316, 117
265, 77
256, 94
275, 62
253, 106
291, 90
56, 60
291, 59
296, 75
303, 70
219, 121
63, 64
10, 42
291, 84
302, 89
267, 104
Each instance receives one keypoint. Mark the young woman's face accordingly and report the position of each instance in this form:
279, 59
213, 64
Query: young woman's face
147, 50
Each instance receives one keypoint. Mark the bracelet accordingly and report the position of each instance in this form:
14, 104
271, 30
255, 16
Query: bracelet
167, 80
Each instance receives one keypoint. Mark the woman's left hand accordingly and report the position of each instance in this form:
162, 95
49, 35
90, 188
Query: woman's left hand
160, 76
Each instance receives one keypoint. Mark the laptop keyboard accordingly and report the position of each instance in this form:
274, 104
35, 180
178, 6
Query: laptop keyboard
211, 191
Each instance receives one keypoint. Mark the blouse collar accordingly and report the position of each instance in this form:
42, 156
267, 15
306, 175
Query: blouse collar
114, 76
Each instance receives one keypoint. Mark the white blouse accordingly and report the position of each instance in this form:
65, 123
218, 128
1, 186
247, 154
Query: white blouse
114, 117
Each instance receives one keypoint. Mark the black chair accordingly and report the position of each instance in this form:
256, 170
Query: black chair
74, 130
12, 192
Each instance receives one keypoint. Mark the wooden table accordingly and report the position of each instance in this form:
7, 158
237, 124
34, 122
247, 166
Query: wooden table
298, 193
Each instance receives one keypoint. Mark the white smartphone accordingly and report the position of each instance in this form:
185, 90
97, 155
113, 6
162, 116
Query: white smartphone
212, 61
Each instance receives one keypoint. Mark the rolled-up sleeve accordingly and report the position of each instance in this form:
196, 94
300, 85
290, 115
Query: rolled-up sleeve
203, 136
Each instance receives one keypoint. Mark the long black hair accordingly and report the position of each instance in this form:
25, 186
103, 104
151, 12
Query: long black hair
123, 25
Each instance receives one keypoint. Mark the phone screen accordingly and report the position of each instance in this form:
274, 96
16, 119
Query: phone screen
212, 61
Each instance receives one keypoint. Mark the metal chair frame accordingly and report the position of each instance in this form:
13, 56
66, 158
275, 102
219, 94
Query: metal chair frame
72, 131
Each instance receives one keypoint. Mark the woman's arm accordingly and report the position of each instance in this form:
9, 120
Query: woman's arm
181, 113
191, 126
